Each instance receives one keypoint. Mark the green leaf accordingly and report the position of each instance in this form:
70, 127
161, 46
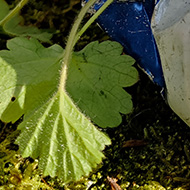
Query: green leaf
29, 75
14, 28
53, 129
96, 79
67, 144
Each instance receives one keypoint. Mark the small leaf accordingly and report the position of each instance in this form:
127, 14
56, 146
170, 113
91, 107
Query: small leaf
13, 27
67, 144
96, 79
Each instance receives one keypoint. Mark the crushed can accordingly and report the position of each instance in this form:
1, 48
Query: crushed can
171, 28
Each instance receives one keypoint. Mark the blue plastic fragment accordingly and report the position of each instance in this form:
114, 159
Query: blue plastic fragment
129, 24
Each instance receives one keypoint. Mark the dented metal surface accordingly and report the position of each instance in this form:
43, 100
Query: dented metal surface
171, 26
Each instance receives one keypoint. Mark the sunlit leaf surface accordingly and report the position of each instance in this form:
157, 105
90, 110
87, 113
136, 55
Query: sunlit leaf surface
67, 144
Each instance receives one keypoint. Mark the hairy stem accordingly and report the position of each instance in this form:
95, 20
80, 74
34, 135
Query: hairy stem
70, 43
13, 12
91, 20
74, 37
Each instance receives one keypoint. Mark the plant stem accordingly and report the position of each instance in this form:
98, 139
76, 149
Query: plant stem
91, 20
70, 43
13, 12
74, 37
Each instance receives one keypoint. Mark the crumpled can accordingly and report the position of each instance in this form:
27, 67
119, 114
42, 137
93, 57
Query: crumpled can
171, 28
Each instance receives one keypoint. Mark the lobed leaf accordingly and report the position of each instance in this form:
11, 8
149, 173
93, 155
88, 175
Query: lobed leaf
96, 79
